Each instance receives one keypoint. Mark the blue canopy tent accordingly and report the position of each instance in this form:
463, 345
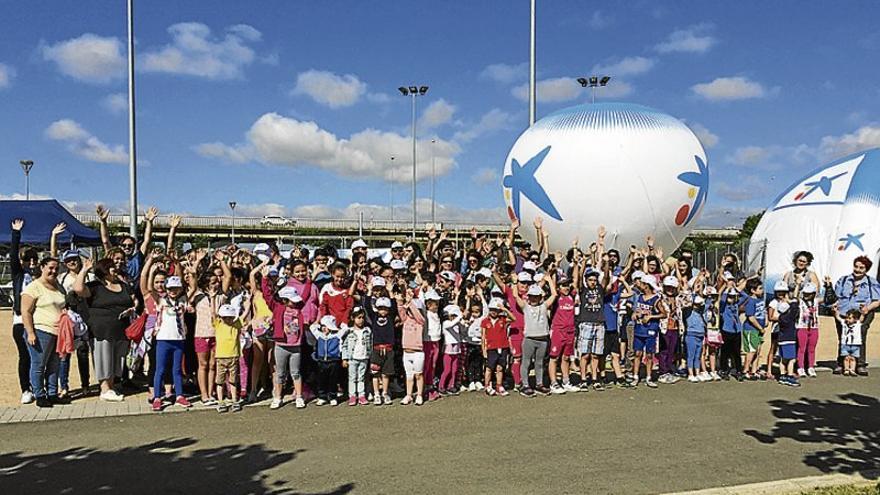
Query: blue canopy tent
40, 216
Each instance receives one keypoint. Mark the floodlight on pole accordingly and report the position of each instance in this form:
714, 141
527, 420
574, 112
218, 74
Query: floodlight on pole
593, 82
27, 165
413, 91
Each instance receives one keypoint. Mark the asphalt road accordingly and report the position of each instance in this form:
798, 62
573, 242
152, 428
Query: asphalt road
678, 437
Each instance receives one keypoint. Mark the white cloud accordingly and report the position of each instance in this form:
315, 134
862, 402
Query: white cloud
193, 51
629, 66
379, 97
506, 73
863, 138
694, 39
7, 73
115, 103
439, 112
493, 120
330, 89
746, 188
274, 139
750, 155
485, 176
729, 88
599, 20
706, 137
89, 58
772, 157
550, 90
84, 144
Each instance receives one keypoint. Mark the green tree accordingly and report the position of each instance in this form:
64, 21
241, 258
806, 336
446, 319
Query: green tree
749, 225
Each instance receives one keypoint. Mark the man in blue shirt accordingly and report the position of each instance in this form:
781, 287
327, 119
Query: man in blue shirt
855, 291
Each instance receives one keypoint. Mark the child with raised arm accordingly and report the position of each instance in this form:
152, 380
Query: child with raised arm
536, 333
850, 339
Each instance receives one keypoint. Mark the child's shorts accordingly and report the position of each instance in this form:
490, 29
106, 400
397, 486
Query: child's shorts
413, 363
227, 370
561, 343
847, 350
645, 343
496, 358
204, 344
788, 350
751, 341
382, 361
591, 338
612, 343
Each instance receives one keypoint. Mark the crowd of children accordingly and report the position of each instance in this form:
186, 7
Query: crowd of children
415, 324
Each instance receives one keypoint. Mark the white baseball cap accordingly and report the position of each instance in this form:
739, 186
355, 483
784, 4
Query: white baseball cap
496, 303
710, 291
485, 272
398, 265
358, 244
291, 294
383, 302
523, 277
529, 265
261, 248
535, 291
637, 275
538, 277
450, 276
377, 282
670, 281
780, 286
699, 300
227, 310
452, 309
329, 321
432, 295
809, 288
173, 282
650, 280
729, 276
396, 244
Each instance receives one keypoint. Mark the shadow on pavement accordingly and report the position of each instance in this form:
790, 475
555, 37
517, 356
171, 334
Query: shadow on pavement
160, 467
851, 427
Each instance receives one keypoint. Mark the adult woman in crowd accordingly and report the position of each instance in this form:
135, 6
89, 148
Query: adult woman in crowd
42, 303
111, 303
23, 267
800, 274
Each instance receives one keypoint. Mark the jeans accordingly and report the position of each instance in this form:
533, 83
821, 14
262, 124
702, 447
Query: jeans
82, 348
44, 365
169, 349
357, 370
24, 357
807, 339
328, 371
533, 349
731, 359
694, 350
667, 355
475, 363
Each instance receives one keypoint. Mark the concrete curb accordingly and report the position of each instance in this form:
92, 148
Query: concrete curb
791, 486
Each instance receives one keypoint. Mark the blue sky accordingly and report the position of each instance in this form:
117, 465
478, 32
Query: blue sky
292, 107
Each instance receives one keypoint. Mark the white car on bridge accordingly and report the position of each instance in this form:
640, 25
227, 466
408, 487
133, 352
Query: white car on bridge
275, 221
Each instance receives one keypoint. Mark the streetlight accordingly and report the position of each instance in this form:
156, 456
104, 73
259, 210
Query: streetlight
433, 179
413, 91
132, 144
593, 82
232, 205
27, 165
391, 196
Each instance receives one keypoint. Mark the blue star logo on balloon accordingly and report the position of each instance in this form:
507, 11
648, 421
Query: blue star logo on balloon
851, 240
631, 168
824, 184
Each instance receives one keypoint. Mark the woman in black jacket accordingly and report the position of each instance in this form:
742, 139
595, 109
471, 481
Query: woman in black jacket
23, 265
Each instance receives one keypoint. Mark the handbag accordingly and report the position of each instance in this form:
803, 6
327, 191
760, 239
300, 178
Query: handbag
135, 330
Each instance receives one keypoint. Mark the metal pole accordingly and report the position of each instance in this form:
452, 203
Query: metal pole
27, 185
360, 224
433, 179
132, 148
391, 198
532, 67
415, 215
232, 205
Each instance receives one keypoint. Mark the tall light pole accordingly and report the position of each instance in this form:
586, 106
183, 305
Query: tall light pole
413, 91
132, 148
232, 206
532, 90
433, 179
593, 82
27, 165
391, 196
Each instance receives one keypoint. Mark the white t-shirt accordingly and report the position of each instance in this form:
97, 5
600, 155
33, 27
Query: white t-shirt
850, 335
170, 325
434, 327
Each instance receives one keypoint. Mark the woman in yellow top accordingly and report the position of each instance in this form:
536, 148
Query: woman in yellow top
42, 302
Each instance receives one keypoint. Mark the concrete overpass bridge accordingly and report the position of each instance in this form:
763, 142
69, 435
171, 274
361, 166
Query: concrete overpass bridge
286, 231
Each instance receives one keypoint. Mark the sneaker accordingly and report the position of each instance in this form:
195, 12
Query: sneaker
479, 386
673, 379
623, 383
490, 391
42, 402
651, 383
222, 407
377, 400
837, 370
419, 400
556, 389
27, 397
182, 402
583, 385
542, 390
111, 396
527, 392
633, 383
275, 404
502, 391
352, 401
801, 372
793, 382
300, 403
715, 376
464, 388
598, 387
862, 371
334, 402
664, 378
59, 400
320, 402
362, 400
693, 379
209, 402
406, 400
235, 407
472, 387
433, 395
157, 404
453, 392
386, 399
570, 388
811, 372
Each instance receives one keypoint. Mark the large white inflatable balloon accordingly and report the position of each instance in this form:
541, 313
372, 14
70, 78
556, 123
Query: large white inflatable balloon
833, 212
634, 169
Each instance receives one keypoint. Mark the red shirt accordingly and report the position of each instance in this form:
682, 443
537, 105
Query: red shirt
516, 327
563, 319
335, 302
496, 333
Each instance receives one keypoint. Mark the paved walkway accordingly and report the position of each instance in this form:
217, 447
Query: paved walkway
791, 486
